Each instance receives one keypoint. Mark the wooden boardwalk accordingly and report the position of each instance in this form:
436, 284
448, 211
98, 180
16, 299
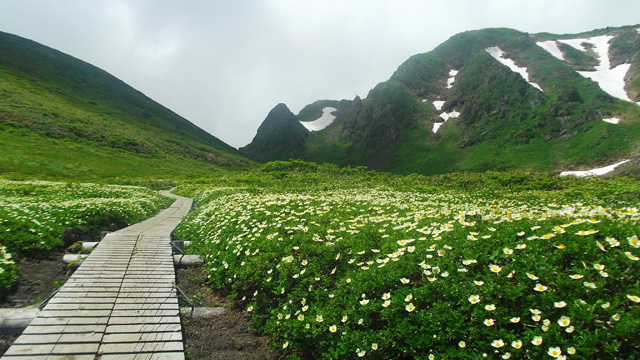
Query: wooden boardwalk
120, 303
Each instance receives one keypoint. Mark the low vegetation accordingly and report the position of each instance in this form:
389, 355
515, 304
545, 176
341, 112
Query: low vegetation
344, 263
36, 214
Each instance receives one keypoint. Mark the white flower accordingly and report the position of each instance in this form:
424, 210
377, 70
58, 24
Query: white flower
560, 304
474, 299
537, 340
497, 343
569, 329
554, 351
540, 288
532, 277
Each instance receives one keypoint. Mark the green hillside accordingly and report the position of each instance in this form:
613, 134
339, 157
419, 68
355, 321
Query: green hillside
505, 123
62, 117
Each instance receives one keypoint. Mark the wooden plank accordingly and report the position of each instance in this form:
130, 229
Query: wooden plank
145, 312
54, 349
178, 355
83, 300
70, 321
54, 357
153, 300
75, 313
158, 306
143, 337
144, 320
141, 347
67, 329
137, 328
91, 337
77, 306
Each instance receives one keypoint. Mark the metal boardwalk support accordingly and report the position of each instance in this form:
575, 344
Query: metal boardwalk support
121, 303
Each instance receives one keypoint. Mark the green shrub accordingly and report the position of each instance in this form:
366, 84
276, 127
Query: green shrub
316, 268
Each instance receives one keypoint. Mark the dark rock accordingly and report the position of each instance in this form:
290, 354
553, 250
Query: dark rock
76, 234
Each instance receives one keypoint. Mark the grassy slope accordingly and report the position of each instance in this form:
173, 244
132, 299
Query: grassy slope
509, 124
62, 117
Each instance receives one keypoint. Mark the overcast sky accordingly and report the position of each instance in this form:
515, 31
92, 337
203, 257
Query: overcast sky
224, 64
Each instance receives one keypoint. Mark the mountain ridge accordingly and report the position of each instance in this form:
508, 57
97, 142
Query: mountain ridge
407, 123
53, 101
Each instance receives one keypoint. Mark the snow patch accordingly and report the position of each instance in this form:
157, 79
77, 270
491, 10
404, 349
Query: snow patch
497, 54
610, 80
438, 104
322, 122
593, 172
552, 47
449, 115
612, 120
452, 79
445, 116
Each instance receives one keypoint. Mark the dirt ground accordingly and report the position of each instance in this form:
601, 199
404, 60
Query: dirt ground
225, 336
38, 280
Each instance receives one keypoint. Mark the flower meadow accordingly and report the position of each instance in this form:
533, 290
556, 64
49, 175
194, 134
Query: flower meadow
381, 273
35, 214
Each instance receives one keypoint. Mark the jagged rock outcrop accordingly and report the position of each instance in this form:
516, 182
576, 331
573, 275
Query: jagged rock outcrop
279, 137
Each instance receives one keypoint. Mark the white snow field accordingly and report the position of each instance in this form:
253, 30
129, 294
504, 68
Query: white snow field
445, 116
322, 122
610, 80
552, 47
593, 172
438, 104
612, 120
452, 78
497, 54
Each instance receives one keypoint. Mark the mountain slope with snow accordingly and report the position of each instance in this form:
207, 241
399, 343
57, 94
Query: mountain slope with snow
494, 99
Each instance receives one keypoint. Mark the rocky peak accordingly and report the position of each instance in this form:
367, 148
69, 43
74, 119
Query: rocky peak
280, 136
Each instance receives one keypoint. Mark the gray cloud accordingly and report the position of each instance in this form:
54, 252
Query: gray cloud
224, 64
